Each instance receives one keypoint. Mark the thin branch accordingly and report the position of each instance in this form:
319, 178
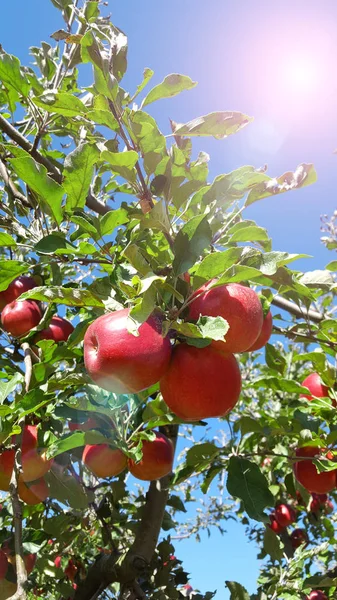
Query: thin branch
9, 184
304, 337
297, 311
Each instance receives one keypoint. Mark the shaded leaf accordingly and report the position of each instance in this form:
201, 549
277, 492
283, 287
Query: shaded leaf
62, 295
78, 173
62, 103
247, 482
191, 241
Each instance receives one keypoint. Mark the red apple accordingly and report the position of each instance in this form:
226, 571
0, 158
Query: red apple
121, 362
315, 506
298, 537
6, 468
71, 570
201, 382
19, 317
35, 465
17, 287
59, 330
29, 560
57, 562
285, 515
274, 525
86, 426
157, 459
316, 387
103, 460
265, 333
317, 595
307, 474
239, 305
3, 565
35, 493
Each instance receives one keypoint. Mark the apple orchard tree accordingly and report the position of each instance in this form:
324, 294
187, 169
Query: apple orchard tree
135, 308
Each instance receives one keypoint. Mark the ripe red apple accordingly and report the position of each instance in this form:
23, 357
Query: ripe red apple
103, 460
239, 305
317, 595
201, 382
315, 506
86, 426
285, 515
265, 333
71, 570
121, 362
157, 460
19, 317
3, 565
274, 525
35, 465
298, 537
35, 493
57, 562
17, 287
306, 473
59, 330
29, 560
316, 387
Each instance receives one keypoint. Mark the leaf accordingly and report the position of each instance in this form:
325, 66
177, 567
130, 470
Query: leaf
10, 73
60, 35
275, 383
275, 360
272, 545
66, 489
332, 266
217, 124
247, 231
62, 295
122, 163
232, 186
217, 263
76, 440
113, 219
318, 278
36, 177
171, 86
191, 241
62, 103
8, 387
213, 328
9, 270
78, 173
305, 174
147, 76
53, 242
157, 217
176, 503
238, 592
245, 481
201, 455
6, 240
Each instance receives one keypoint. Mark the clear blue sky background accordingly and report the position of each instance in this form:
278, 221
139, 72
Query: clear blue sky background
272, 60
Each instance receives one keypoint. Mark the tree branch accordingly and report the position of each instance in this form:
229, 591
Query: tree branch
109, 569
54, 172
9, 184
297, 311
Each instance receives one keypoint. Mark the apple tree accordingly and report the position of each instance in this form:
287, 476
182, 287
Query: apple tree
138, 304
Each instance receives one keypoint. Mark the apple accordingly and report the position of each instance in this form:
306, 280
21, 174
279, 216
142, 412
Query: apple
29, 560
103, 460
317, 595
239, 305
3, 565
315, 506
274, 525
71, 570
57, 562
86, 426
35, 465
188, 589
19, 317
6, 468
59, 330
201, 382
285, 515
35, 493
265, 333
123, 363
298, 537
307, 474
17, 287
316, 387
157, 459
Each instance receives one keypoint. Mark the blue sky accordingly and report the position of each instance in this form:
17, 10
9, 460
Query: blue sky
272, 60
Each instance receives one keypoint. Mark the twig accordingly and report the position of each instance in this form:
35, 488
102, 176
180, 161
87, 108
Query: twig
297, 311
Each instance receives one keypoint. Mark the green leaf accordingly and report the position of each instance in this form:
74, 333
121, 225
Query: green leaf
8, 387
245, 481
238, 592
78, 173
176, 503
318, 278
332, 266
113, 219
62, 103
171, 86
9, 270
272, 545
247, 231
276, 383
10, 73
191, 241
232, 186
77, 440
217, 263
305, 174
275, 360
36, 177
122, 163
67, 489
213, 328
217, 124
6, 240
157, 217
62, 295
53, 242
103, 117
147, 76
201, 455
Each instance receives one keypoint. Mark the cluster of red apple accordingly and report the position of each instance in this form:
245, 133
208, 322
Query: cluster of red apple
196, 383
18, 317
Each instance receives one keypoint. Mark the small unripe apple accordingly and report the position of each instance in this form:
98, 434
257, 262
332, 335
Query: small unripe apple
317, 595
59, 330
19, 317
201, 383
123, 363
86, 426
157, 459
29, 560
317, 388
35, 493
3, 565
17, 287
285, 515
306, 473
298, 537
265, 333
103, 460
239, 305
274, 525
